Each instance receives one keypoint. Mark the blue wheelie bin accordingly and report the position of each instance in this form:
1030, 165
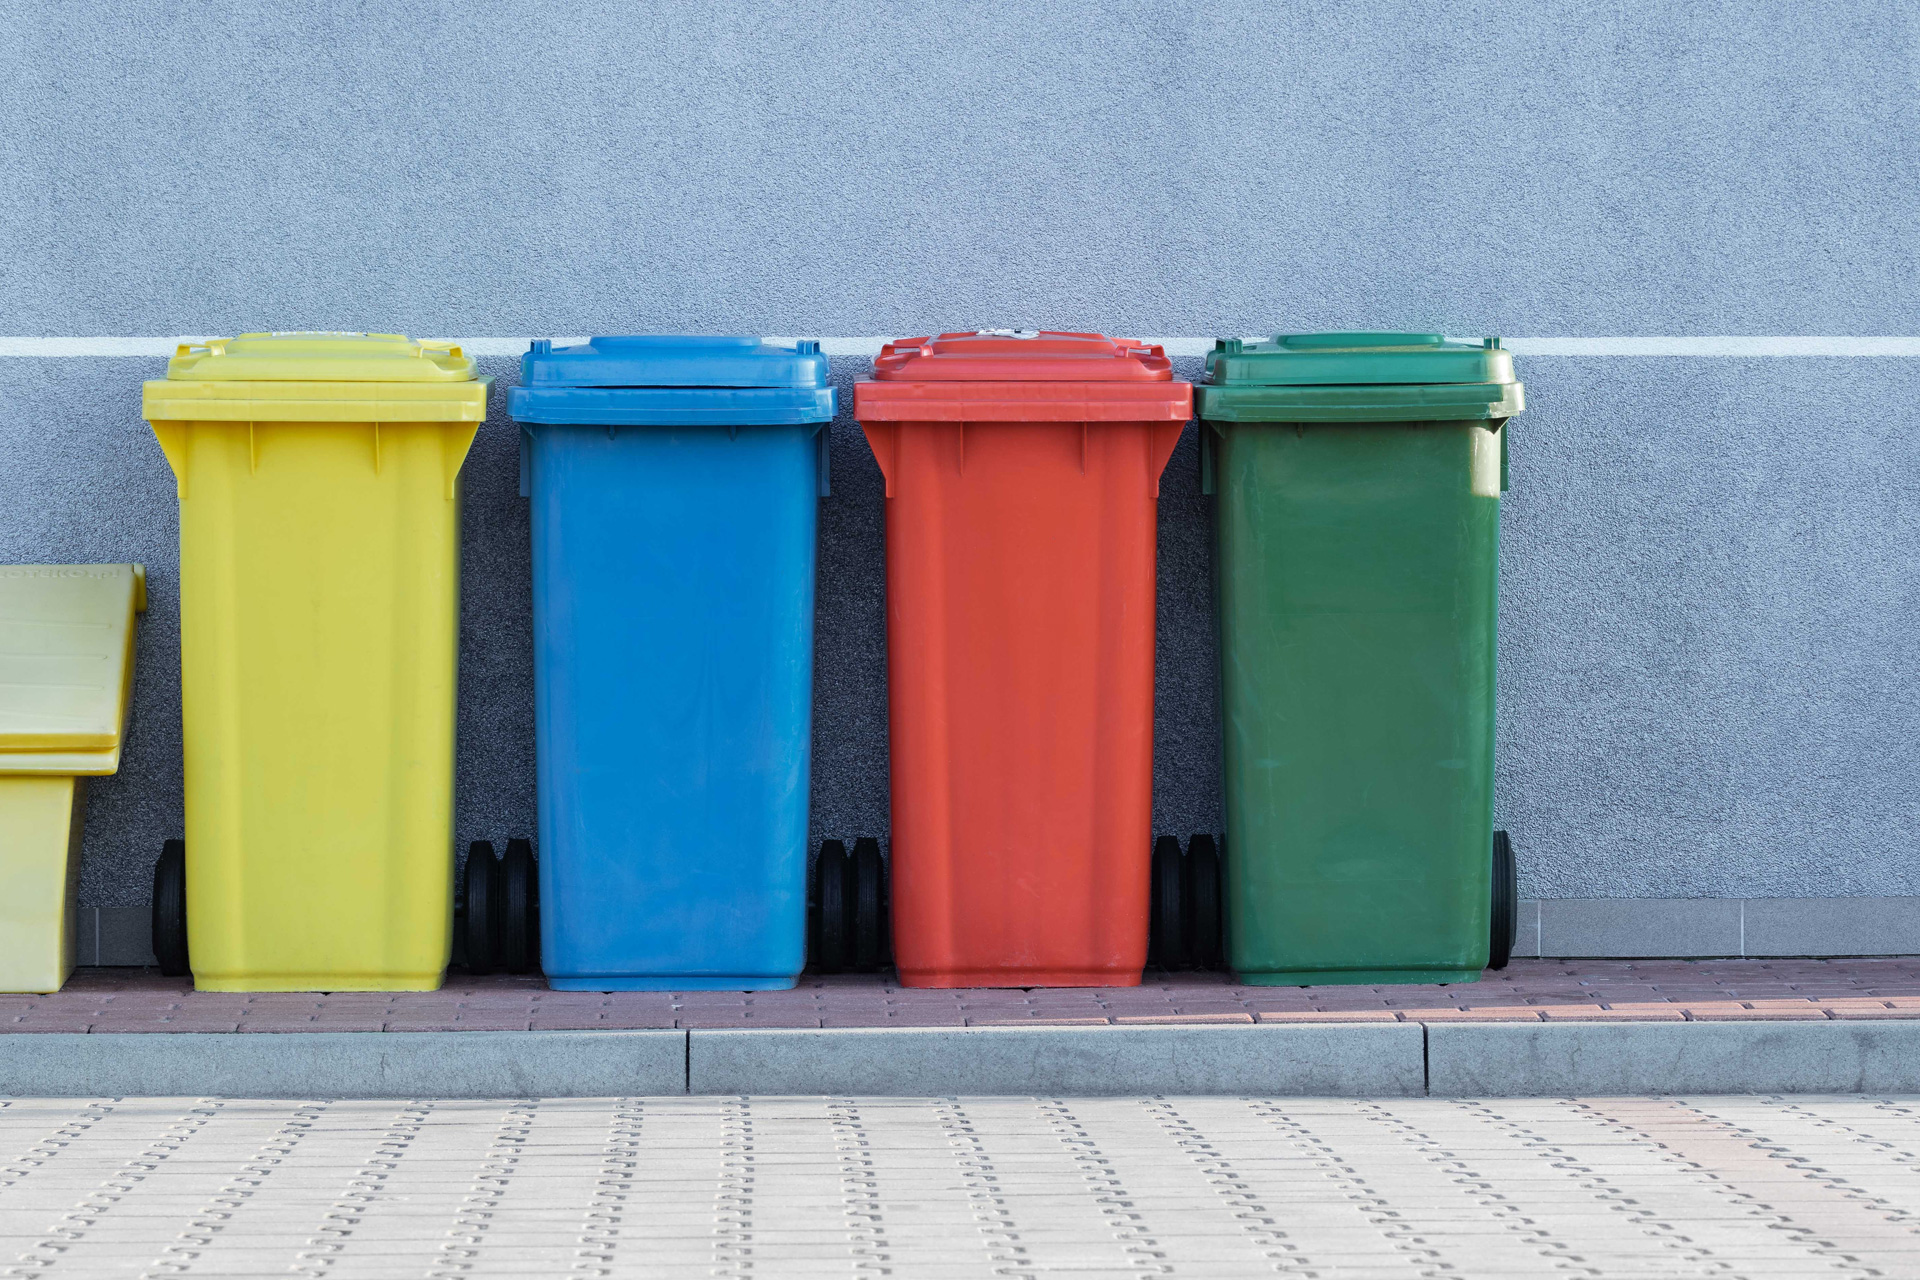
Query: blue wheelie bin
674, 483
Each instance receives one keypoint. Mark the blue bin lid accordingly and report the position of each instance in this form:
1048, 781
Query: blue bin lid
673, 381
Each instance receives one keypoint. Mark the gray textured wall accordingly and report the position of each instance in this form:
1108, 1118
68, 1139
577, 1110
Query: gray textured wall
1639, 166
1710, 628
1710, 604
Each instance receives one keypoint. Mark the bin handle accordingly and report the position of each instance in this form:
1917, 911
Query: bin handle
880, 438
171, 435
1163, 438
456, 439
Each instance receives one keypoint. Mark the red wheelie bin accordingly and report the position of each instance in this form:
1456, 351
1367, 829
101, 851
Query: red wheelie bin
1022, 471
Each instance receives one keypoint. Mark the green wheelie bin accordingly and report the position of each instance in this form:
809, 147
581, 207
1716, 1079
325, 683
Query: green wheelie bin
1357, 481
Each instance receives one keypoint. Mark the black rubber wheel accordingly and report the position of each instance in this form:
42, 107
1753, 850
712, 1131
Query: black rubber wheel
1166, 918
1506, 903
886, 911
830, 875
1203, 903
869, 912
170, 909
480, 924
519, 909
1225, 953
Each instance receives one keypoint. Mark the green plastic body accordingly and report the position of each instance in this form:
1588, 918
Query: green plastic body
1357, 578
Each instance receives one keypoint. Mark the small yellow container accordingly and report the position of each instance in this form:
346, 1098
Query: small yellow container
66, 678
319, 482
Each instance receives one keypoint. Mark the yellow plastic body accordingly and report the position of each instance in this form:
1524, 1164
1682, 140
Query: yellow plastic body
66, 680
40, 823
319, 633
66, 665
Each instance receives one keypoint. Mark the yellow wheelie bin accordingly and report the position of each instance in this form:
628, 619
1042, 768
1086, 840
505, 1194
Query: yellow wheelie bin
66, 679
319, 483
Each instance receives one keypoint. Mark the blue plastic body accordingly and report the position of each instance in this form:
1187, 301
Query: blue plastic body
673, 588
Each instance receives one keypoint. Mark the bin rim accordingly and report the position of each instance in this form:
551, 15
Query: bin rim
690, 362
877, 401
1412, 402
1359, 376
671, 406
165, 400
1355, 359
1021, 355
317, 376
320, 356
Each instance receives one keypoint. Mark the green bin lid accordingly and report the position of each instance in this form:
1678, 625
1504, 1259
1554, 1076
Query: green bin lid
1358, 377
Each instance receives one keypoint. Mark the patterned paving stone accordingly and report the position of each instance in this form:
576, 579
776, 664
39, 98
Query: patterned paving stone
962, 1187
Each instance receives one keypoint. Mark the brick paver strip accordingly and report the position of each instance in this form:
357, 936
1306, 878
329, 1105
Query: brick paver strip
1613, 1013
1321, 1016
1181, 1019
1736, 1013
1528, 991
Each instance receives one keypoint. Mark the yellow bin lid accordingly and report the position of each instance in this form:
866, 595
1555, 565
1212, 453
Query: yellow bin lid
66, 664
317, 377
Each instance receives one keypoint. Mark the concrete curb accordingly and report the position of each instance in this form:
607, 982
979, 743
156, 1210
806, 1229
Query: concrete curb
1531, 1060
1406, 1059
345, 1064
1544, 1059
1368, 1060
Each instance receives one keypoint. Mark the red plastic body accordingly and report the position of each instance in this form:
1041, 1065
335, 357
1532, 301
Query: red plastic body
1021, 515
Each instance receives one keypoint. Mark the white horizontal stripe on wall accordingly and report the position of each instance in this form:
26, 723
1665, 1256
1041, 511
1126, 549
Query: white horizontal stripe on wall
149, 348
1804, 346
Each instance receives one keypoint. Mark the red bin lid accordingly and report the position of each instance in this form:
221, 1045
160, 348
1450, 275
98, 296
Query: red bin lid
1021, 375
1021, 355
